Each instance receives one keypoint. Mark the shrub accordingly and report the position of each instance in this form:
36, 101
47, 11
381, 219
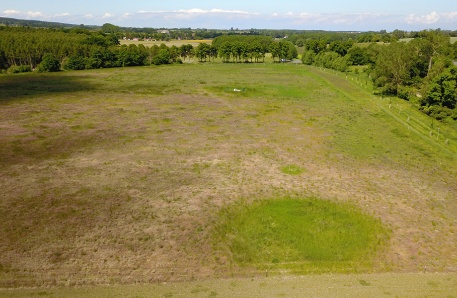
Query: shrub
93, 63
308, 57
438, 112
49, 64
405, 92
163, 57
75, 63
19, 69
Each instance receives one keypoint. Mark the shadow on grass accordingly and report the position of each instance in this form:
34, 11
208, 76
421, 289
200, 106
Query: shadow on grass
25, 86
28, 150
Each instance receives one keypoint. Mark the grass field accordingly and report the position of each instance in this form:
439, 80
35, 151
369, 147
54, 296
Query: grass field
170, 43
118, 176
453, 39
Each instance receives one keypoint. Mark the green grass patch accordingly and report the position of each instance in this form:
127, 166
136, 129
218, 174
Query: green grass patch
301, 234
292, 170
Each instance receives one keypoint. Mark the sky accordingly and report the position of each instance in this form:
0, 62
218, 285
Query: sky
335, 15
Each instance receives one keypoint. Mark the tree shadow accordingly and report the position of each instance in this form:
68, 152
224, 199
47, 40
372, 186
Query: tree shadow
26, 86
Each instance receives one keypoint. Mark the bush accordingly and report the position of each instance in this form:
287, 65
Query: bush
438, 112
454, 114
163, 57
74, 63
49, 64
308, 57
93, 63
19, 69
405, 92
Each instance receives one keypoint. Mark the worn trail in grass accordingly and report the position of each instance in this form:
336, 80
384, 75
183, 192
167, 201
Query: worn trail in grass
117, 176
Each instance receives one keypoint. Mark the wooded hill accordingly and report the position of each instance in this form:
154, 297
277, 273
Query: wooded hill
40, 24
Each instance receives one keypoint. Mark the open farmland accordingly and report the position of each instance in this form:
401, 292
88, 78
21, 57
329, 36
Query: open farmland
119, 175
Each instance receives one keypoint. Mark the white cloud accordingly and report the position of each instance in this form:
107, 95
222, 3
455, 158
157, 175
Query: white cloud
318, 18
208, 18
214, 11
450, 15
23, 15
34, 14
430, 18
220, 18
65, 14
192, 13
11, 12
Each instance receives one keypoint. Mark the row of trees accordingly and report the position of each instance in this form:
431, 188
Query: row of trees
239, 48
131, 55
25, 49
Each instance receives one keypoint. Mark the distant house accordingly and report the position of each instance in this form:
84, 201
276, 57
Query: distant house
455, 63
163, 31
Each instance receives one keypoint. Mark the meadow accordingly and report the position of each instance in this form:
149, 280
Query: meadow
126, 176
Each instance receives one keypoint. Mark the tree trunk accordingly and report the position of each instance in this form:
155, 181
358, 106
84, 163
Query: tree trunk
429, 65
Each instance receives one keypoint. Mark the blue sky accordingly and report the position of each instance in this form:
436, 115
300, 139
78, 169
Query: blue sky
266, 14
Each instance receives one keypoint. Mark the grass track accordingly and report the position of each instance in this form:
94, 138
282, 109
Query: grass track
116, 176
360, 285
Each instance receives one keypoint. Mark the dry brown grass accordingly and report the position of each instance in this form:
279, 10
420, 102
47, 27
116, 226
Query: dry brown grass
121, 182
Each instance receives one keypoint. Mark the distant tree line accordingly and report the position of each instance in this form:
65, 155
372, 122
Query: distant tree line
420, 69
39, 24
252, 48
26, 49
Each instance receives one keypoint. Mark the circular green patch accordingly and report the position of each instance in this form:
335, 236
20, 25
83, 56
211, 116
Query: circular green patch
300, 233
292, 170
